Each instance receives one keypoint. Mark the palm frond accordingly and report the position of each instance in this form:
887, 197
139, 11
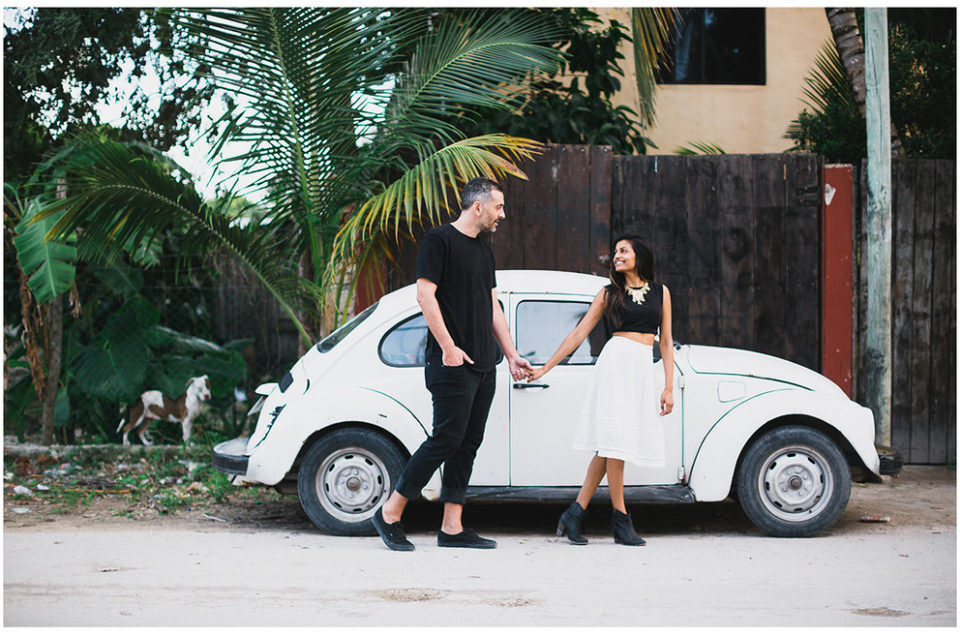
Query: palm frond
120, 197
652, 30
422, 194
827, 82
475, 62
699, 148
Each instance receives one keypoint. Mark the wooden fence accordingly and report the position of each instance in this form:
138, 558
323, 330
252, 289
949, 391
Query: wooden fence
737, 239
923, 421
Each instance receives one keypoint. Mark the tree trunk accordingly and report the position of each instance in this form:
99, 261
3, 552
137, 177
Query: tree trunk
849, 42
54, 355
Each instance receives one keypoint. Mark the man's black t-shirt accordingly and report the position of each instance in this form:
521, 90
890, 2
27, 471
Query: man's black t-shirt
464, 272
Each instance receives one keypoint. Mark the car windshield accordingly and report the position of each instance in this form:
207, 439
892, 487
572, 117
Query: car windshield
334, 339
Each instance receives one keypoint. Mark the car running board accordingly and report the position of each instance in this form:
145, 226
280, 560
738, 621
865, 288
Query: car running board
670, 494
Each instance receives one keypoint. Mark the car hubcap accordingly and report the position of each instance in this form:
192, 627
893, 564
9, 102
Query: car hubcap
796, 483
350, 483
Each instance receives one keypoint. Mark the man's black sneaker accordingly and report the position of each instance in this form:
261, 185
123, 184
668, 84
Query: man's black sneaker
466, 539
391, 533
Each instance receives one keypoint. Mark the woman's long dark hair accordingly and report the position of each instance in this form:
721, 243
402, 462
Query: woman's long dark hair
644, 269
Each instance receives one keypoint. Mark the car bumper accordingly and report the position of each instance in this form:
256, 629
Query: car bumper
231, 456
891, 462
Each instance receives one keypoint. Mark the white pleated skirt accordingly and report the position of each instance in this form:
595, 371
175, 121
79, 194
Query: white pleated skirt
620, 417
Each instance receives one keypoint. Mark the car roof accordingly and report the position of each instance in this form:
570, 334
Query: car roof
529, 281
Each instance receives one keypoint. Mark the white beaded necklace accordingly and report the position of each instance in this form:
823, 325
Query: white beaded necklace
639, 294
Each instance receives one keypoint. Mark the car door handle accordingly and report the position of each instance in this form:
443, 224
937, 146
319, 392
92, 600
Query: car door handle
525, 385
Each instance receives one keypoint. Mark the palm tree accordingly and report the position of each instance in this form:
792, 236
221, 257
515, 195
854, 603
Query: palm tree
342, 124
345, 112
849, 42
653, 28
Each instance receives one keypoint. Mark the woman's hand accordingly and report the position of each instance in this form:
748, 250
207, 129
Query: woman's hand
666, 401
536, 374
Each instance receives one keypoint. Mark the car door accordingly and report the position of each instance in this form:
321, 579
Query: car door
402, 348
543, 414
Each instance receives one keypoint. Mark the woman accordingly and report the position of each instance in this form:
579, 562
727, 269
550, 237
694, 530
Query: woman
619, 420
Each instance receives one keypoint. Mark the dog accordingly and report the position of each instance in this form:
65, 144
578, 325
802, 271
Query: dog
153, 405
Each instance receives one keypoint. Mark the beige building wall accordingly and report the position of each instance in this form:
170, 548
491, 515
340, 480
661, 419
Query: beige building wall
738, 119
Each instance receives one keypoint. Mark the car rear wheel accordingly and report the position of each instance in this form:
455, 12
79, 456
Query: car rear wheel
794, 482
344, 477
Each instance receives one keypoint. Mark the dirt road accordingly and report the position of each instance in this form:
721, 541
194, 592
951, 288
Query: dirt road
703, 565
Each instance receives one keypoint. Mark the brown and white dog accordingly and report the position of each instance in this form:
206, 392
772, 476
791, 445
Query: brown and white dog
153, 405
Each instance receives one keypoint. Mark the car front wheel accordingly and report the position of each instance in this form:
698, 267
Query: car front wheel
344, 477
794, 482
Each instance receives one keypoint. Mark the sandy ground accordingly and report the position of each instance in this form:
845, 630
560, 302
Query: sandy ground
264, 564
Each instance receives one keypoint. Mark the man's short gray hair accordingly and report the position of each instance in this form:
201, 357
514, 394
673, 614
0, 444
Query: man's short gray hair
477, 189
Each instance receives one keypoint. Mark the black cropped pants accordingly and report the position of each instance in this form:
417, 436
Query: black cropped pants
461, 401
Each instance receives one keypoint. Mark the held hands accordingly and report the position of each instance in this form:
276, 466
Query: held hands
536, 374
666, 401
519, 368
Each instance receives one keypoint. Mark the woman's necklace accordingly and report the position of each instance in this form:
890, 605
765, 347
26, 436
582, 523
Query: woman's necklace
639, 294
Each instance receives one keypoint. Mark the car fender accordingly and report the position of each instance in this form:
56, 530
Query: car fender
273, 454
713, 467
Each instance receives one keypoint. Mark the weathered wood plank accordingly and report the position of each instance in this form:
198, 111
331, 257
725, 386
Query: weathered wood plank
669, 241
802, 247
949, 168
904, 194
601, 202
573, 207
539, 224
703, 289
861, 296
855, 266
774, 333
942, 319
736, 254
924, 218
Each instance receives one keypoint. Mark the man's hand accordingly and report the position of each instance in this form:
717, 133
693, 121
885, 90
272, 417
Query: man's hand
455, 357
519, 368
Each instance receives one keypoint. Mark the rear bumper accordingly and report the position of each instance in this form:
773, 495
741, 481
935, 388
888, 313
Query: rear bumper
230, 456
891, 462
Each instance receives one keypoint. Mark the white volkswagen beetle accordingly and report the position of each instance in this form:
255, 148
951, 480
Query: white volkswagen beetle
781, 439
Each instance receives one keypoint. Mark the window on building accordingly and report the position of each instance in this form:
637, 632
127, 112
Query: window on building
718, 46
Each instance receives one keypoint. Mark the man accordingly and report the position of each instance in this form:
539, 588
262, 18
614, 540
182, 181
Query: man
457, 290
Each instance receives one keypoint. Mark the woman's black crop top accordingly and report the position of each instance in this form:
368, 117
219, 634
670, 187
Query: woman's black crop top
643, 317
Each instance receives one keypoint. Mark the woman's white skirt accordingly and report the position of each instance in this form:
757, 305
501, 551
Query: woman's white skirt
620, 418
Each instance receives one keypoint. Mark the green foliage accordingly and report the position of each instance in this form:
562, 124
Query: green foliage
337, 105
580, 112
48, 264
831, 125
61, 63
922, 94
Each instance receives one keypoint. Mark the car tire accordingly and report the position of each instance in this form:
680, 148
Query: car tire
344, 477
794, 482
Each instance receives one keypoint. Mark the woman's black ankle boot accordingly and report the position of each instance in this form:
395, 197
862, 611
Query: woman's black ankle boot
571, 524
623, 531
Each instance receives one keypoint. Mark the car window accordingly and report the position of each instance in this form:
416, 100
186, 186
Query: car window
337, 336
405, 345
543, 324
